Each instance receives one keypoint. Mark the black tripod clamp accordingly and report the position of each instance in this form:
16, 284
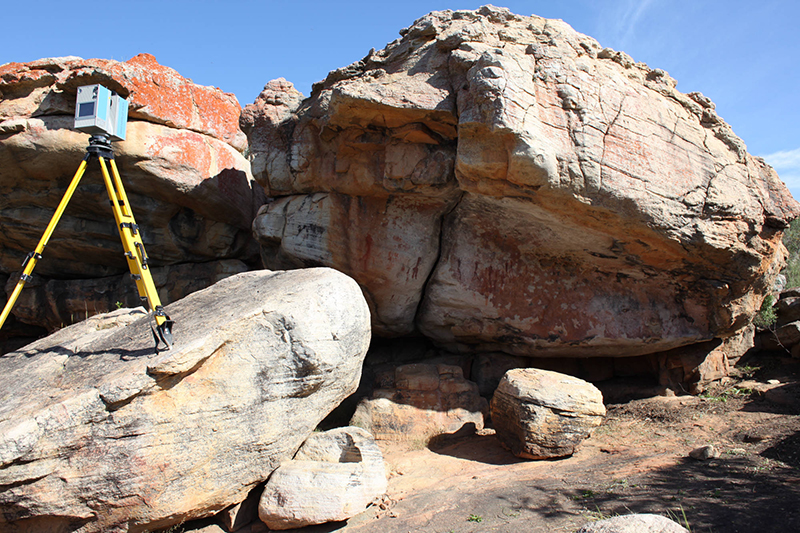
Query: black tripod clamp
99, 145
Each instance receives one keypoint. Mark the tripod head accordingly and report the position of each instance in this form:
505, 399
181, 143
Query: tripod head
100, 145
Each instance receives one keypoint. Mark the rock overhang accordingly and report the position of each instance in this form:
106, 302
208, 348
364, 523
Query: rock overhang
557, 157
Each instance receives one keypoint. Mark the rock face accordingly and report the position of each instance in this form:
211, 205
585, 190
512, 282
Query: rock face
333, 477
188, 183
539, 414
503, 183
422, 401
100, 433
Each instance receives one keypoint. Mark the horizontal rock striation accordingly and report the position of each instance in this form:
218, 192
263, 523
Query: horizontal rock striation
504, 183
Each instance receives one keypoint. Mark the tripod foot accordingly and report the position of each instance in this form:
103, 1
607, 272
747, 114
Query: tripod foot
162, 333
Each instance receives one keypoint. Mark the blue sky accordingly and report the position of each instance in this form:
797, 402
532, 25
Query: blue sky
744, 55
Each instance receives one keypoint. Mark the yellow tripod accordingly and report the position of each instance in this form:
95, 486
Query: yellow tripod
100, 148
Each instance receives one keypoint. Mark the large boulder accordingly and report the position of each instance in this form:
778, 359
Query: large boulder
540, 414
182, 164
100, 432
502, 183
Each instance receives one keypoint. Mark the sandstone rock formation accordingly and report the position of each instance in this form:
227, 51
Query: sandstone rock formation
333, 477
189, 184
539, 414
502, 183
421, 401
98, 432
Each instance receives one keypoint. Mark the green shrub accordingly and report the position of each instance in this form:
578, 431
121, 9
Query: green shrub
791, 239
766, 316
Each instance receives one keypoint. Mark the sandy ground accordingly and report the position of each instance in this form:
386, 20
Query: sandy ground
637, 461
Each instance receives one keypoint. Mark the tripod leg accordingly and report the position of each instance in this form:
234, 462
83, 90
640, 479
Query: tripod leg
30, 262
135, 253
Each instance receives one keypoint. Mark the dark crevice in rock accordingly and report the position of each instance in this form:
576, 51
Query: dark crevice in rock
432, 272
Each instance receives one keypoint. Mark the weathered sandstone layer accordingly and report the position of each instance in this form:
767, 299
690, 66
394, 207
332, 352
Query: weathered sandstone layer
182, 164
504, 183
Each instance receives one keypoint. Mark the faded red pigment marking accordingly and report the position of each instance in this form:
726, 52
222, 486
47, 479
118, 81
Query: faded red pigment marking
528, 292
232, 184
415, 270
365, 257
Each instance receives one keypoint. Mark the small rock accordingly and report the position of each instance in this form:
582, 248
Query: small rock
635, 523
704, 453
236, 517
334, 476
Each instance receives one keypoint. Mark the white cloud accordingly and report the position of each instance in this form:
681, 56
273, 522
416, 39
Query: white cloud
787, 164
788, 159
620, 22
628, 21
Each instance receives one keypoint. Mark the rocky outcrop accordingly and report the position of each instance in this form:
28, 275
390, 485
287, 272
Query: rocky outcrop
100, 432
333, 477
502, 183
421, 401
182, 164
539, 414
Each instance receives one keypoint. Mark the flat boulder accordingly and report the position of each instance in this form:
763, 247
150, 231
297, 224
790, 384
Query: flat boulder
101, 432
333, 477
540, 414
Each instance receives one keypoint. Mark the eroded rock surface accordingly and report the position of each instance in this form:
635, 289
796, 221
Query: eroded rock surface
56, 303
551, 197
539, 414
98, 432
187, 180
421, 401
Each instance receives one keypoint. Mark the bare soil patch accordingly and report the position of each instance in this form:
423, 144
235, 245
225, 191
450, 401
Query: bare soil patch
637, 461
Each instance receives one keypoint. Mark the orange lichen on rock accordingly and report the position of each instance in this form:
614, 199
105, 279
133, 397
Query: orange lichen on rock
156, 93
